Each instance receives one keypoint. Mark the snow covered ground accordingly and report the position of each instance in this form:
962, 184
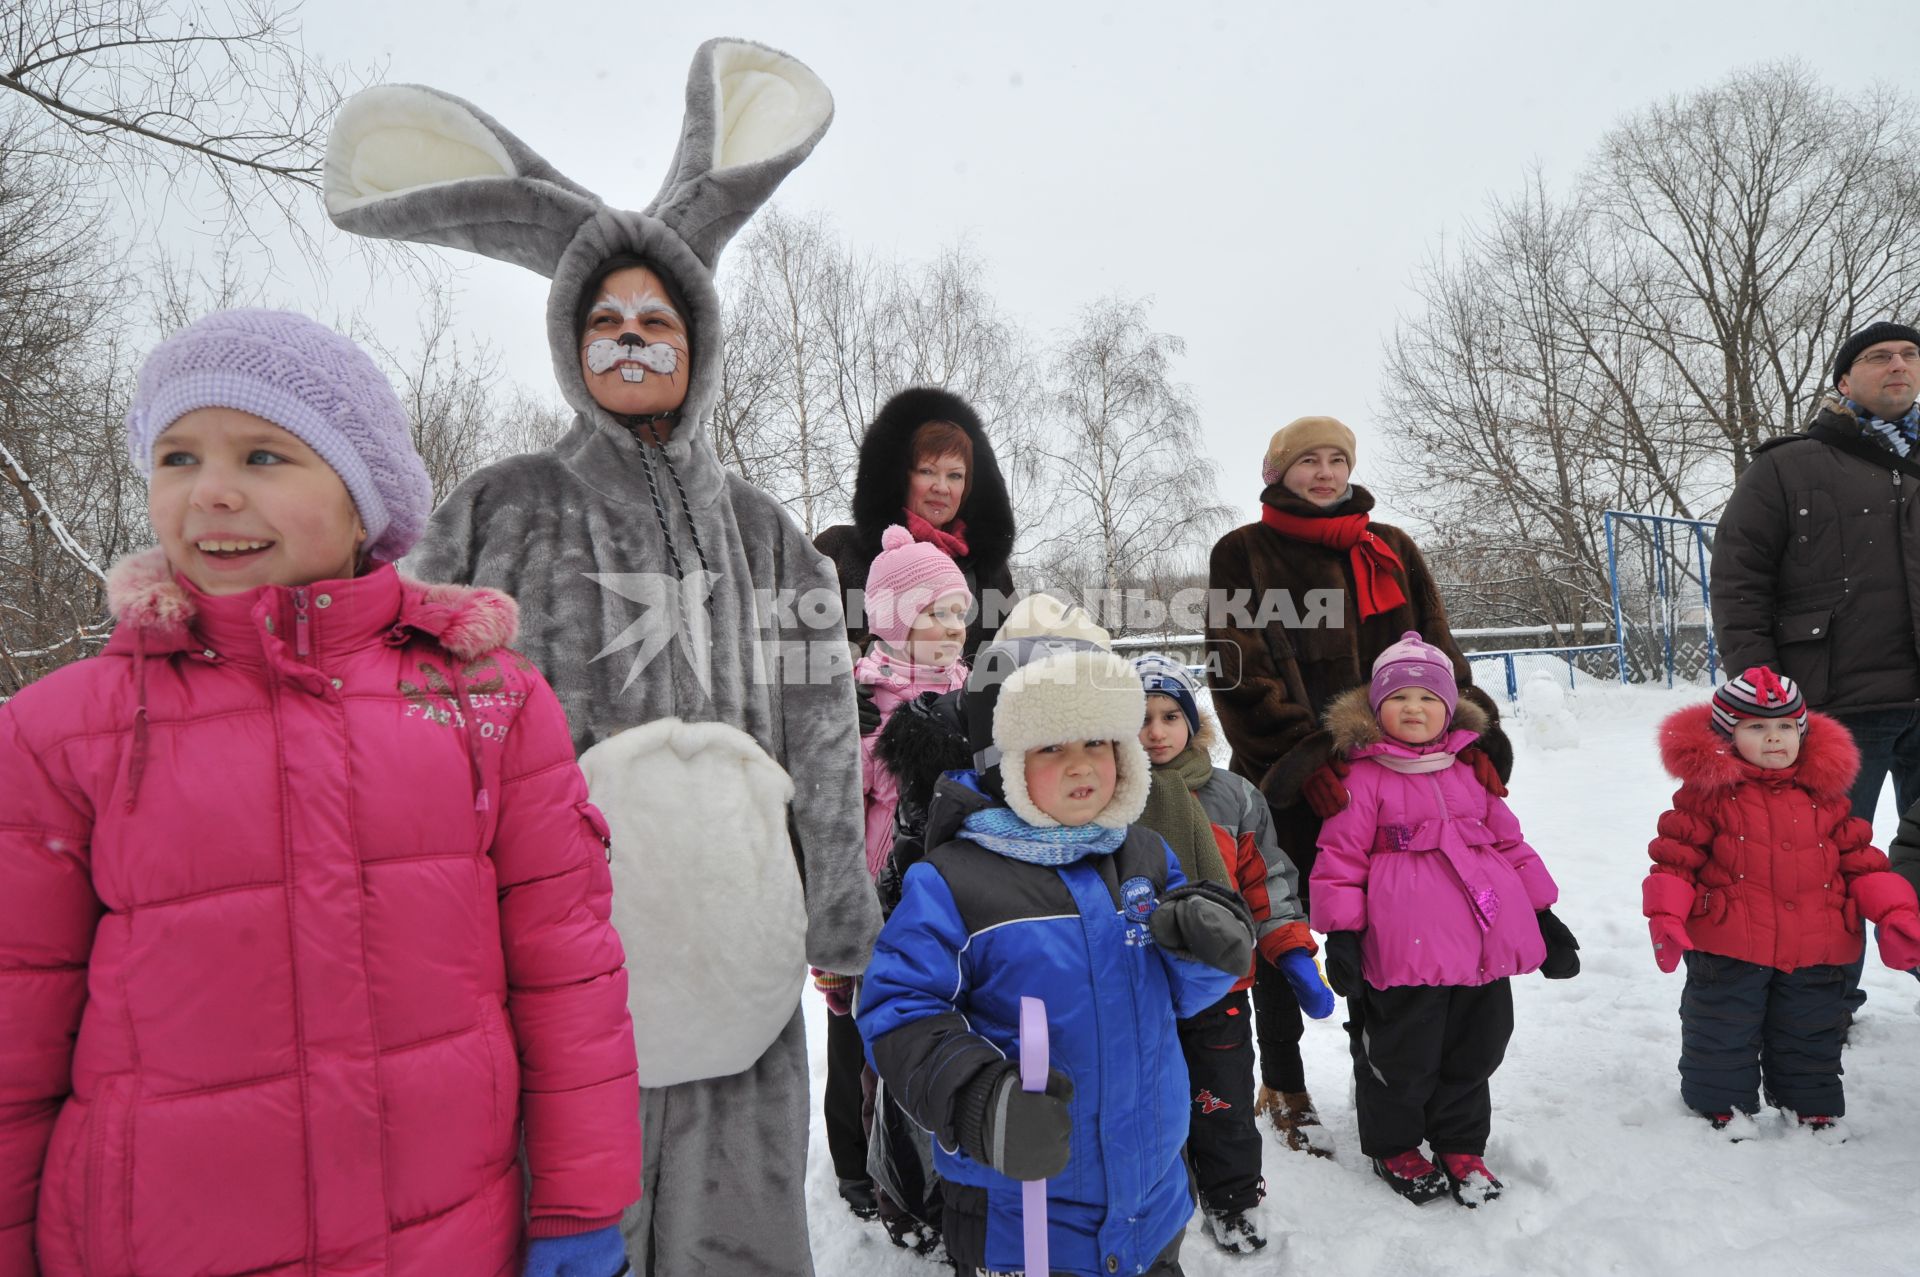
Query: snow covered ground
1606, 1172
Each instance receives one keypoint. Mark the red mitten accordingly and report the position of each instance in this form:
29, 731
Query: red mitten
1899, 935
1666, 899
1669, 940
1326, 789
1484, 771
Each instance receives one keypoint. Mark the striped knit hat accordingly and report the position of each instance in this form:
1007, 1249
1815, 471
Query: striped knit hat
1758, 693
1161, 675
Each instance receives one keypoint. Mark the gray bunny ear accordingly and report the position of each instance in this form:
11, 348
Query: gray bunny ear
411, 163
753, 114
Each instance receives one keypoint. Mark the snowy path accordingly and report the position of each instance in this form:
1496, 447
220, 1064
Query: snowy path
1606, 1172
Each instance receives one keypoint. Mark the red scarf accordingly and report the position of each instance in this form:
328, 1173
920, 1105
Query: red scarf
1374, 562
952, 539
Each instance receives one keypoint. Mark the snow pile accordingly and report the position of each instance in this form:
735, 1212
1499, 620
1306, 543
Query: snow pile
1605, 1170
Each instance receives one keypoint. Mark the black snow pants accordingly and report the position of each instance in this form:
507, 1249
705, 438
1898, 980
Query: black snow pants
1744, 1026
1422, 1058
1223, 1144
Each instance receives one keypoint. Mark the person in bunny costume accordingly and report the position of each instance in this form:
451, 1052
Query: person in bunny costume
695, 638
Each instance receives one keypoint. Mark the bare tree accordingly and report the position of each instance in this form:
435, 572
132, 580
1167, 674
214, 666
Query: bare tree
1628, 346
65, 482
449, 388
219, 103
1127, 474
819, 335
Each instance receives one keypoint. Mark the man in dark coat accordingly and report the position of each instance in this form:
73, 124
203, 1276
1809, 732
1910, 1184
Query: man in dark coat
1816, 562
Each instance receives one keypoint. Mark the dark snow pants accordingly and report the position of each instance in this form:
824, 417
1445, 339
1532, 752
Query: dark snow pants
1223, 1144
1422, 1058
1278, 1023
846, 1133
1744, 1026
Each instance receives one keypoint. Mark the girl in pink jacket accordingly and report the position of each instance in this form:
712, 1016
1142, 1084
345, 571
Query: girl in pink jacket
303, 909
916, 606
1430, 899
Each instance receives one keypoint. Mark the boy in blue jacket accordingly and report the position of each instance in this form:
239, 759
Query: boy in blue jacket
1035, 884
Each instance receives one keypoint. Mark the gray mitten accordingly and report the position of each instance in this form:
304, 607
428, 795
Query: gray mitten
1024, 1135
1207, 923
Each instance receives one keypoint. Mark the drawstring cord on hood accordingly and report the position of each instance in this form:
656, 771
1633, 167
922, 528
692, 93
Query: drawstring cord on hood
650, 424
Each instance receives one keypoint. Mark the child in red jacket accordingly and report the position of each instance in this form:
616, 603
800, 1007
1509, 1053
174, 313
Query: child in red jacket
1761, 879
305, 960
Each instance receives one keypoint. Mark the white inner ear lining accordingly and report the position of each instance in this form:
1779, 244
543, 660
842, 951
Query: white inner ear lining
765, 104
393, 139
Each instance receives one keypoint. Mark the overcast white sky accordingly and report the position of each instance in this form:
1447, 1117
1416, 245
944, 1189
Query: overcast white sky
1270, 175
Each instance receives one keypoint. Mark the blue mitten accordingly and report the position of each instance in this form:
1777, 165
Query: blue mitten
1309, 988
600, 1253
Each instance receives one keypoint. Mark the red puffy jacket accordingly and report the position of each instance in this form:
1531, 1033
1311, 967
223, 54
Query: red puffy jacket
303, 914
1768, 866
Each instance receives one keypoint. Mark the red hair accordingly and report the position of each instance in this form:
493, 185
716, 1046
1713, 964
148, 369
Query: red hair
936, 439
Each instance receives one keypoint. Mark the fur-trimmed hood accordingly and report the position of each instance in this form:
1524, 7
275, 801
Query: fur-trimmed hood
1695, 754
145, 596
880, 486
1353, 725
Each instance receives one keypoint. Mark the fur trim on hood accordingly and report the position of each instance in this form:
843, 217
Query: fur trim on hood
1352, 724
469, 621
880, 487
1695, 754
1085, 694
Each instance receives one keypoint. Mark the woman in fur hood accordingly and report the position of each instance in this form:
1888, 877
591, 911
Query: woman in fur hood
926, 462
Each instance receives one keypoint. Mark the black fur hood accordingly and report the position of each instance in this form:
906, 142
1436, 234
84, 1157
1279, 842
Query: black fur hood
880, 487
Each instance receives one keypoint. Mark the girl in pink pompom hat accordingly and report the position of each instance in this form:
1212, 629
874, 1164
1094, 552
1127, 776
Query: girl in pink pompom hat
1430, 899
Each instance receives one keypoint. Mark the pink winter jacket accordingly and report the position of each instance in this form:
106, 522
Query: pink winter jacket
1430, 869
303, 917
894, 682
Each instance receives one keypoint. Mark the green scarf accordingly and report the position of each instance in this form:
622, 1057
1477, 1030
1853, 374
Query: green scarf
1175, 814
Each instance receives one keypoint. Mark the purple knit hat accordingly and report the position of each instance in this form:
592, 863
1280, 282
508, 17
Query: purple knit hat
906, 578
1413, 662
310, 381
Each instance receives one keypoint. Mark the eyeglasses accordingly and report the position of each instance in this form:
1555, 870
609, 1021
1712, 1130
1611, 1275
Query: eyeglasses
1881, 358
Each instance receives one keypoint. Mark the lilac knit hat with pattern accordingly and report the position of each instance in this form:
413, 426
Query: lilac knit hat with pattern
1413, 662
906, 578
311, 382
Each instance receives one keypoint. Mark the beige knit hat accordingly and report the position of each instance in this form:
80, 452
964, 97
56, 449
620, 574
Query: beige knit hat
1299, 437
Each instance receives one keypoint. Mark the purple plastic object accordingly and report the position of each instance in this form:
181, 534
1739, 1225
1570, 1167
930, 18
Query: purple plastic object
1033, 1077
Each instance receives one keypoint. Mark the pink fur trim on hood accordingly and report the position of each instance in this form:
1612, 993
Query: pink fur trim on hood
469, 621
1696, 754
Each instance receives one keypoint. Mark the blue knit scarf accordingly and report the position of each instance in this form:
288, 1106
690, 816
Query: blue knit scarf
1000, 830
1899, 435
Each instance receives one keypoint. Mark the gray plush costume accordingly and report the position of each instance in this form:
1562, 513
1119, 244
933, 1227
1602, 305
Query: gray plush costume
651, 581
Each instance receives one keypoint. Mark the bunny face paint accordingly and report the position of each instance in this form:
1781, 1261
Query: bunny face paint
633, 346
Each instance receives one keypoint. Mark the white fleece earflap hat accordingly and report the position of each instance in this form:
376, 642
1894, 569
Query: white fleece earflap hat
1088, 694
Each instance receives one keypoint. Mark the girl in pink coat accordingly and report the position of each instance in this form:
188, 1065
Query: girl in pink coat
1430, 899
916, 604
303, 909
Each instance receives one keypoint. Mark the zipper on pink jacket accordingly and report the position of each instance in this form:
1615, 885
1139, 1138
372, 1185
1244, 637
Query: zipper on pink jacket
302, 633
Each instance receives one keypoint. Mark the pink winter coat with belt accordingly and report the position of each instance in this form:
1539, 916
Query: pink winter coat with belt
303, 919
894, 682
1428, 867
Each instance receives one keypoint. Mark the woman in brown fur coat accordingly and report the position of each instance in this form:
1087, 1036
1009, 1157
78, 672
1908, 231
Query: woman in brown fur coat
1302, 601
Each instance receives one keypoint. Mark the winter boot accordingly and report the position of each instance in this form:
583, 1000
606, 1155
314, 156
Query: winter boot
1412, 1176
1296, 1120
1234, 1231
1469, 1178
858, 1195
